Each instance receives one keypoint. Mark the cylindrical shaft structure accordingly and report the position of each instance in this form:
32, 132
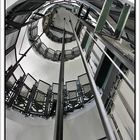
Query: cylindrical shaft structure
122, 20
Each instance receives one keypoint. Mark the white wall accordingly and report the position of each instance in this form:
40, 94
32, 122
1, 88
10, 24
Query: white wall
82, 124
48, 71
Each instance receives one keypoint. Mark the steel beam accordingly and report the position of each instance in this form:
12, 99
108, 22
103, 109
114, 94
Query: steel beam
122, 20
102, 112
103, 15
128, 62
58, 131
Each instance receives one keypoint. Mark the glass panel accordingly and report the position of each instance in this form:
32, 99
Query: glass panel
10, 59
29, 81
55, 96
94, 59
55, 88
43, 87
89, 43
18, 72
84, 41
97, 52
11, 39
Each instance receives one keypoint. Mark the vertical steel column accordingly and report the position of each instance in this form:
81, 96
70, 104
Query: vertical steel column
102, 112
122, 20
80, 10
58, 130
8, 75
101, 21
104, 13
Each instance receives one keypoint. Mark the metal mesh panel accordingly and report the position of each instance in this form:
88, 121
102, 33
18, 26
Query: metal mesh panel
24, 91
43, 87
71, 85
86, 88
76, 51
57, 55
50, 53
38, 42
83, 79
34, 32
10, 82
72, 94
42, 48
11, 39
68, 54
34, 24
55, 88
40, 97
29, 81
18, 72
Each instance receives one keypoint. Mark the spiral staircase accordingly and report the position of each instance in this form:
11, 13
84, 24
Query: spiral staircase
99, 37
